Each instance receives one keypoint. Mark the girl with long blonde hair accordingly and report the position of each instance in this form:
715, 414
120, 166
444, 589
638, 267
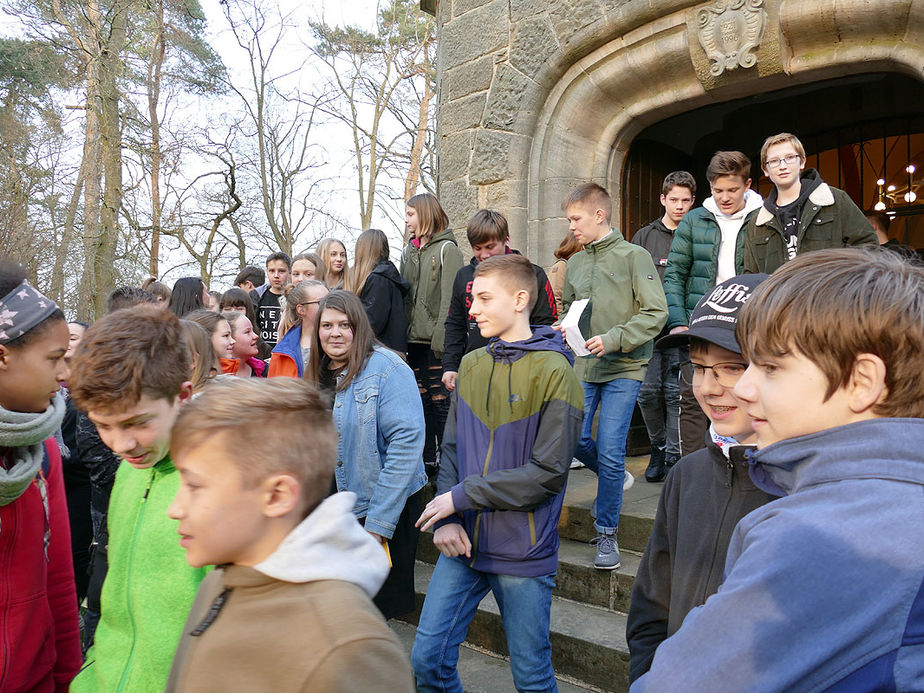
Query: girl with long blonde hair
334, 258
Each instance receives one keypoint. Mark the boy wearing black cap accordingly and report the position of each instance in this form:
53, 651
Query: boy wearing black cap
707, 491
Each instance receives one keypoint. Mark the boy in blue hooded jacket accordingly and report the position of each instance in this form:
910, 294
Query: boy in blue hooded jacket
824, 587
513, 426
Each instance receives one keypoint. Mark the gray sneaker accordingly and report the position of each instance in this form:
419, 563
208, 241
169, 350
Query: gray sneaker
607, 557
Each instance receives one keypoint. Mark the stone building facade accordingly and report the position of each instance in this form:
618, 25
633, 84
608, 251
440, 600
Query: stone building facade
536, 96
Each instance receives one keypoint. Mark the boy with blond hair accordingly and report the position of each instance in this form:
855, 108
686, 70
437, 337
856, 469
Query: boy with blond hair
801, 213
131, 376
514, 422
824, 587
626, 311
290, 606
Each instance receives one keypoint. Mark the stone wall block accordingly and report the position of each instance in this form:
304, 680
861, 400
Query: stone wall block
462, 114
571, 16
513, 97
520, 9
460, 201
497, 156
504, 195
469, 78
456, 154
533, 45
476, 33
460, 7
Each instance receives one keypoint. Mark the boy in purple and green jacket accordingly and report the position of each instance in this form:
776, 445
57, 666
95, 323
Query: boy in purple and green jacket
513, 426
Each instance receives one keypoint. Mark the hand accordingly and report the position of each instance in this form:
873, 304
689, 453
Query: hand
378, 537
452, 540
679, 329
449, 380
595, 346
437, 509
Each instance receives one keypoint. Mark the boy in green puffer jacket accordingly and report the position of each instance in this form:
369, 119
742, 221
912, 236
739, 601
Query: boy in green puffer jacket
131, 375
708, 249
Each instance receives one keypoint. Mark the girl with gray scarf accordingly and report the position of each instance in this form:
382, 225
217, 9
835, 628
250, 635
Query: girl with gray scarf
39, 635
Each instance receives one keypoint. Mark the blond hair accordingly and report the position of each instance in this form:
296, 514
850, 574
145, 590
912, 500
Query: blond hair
833, 305
324, 254
782, 138
295, 295
288, 431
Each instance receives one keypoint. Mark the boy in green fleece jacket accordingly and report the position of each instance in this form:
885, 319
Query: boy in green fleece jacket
131, 376
626, 311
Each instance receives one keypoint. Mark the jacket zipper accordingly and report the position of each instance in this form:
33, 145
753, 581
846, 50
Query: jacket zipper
729, 475
128, 581
484, 472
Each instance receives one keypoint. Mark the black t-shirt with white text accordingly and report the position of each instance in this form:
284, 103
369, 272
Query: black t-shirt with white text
269, 313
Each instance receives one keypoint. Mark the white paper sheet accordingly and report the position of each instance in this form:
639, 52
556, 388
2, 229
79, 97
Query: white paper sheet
572, 332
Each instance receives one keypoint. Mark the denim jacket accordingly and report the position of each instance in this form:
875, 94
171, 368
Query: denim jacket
380, 423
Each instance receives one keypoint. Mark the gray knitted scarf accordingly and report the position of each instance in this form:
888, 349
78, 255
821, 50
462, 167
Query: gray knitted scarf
23, 435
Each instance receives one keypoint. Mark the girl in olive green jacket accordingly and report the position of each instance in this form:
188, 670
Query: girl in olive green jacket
429, 263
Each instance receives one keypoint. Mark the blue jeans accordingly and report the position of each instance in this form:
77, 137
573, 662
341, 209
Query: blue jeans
659, 398
452, 598
607, 456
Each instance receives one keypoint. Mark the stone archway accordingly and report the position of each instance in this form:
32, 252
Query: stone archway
558, 92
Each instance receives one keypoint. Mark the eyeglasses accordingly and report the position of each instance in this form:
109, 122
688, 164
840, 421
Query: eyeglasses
790, 160
725, 374
309, 303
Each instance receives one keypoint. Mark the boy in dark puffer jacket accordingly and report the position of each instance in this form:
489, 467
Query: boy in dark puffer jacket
707, 491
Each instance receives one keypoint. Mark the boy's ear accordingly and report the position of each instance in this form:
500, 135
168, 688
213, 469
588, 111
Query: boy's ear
4, 357
281, 495
521, 301
186, 392
747, 184
867, 386
600, 216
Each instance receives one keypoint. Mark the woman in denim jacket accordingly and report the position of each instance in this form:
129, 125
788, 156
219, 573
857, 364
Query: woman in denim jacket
379, 419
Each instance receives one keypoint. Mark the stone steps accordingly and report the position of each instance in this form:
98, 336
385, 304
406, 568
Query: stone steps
588, 643
588, 618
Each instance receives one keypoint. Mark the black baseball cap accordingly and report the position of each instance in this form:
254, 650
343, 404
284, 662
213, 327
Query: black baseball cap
716, 314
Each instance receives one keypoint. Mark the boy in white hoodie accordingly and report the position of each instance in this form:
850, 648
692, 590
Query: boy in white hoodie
289, 607
707, 249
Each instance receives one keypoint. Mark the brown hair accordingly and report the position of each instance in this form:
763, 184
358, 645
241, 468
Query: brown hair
568, 247
363, 338
683, 179
159, 289
591, 196
487, 225
782, 138
129, 354
295, 295
208, 319
202, 356
515, 273
431, 219
833, 305
288, 431
319, 267
728, 164
371, 249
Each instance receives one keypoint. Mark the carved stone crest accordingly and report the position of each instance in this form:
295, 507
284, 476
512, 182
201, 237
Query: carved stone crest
729, 32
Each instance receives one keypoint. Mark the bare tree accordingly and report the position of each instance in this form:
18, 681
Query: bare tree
280, 123
385, 84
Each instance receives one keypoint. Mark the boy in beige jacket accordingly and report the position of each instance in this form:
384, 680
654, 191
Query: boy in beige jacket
289, 608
